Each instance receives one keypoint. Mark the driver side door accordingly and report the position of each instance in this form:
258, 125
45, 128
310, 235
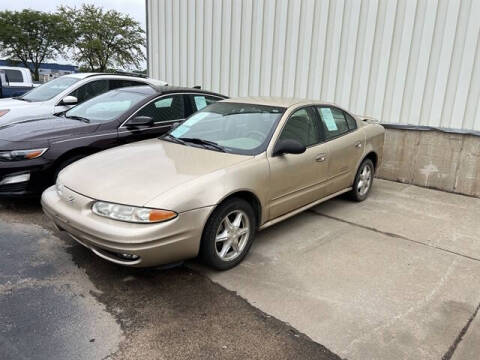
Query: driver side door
299, 179
165, 111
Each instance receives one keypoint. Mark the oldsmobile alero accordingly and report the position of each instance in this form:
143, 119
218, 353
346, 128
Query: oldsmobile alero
209, 184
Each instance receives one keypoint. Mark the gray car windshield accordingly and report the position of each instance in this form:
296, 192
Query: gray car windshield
49, 90
107, 106
236, 128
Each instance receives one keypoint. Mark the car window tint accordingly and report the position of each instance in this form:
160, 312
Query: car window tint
201, 101
165, 109
90, 90
107, 106
120, 83
333, 120
14, 75
304, 127
352, 123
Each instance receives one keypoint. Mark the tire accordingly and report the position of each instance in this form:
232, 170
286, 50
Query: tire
363, 181
238, 235
67, 162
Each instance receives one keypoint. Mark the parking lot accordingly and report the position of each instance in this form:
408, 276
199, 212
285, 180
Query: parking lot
394, 277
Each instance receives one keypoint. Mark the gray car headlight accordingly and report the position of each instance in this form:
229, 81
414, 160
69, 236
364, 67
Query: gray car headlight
3, 112
17, 155
132, 213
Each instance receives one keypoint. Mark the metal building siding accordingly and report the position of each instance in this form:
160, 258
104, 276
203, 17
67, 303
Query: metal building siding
402, 61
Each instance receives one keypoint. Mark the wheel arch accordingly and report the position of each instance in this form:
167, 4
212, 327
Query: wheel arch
372, 155
251, 198
73, 153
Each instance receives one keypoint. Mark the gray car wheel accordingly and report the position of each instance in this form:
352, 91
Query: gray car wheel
228, 234
363, 180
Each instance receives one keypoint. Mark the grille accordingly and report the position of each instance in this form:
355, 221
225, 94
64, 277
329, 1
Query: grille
9, 188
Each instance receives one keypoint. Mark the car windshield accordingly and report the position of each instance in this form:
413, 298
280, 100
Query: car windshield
236, 128
50, 89
107, 106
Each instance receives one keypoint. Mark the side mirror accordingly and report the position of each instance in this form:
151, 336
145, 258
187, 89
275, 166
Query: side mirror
289, 146
69, 100
140, 121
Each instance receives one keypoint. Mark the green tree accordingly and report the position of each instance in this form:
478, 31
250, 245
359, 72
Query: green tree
104, 39
32, 36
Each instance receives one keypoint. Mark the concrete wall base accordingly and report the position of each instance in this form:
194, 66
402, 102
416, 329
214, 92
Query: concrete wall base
433, 159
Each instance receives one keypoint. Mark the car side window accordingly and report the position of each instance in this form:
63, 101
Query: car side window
166, 108
121, 83
334, 121
14, 75
352, 123
90, 90
303, 126
201, 101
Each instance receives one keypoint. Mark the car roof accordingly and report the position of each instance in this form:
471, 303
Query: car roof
82, 76
277, 101
180, 89
163, 90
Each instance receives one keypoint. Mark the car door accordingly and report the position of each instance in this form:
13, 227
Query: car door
346, 146
297, 180
165, 111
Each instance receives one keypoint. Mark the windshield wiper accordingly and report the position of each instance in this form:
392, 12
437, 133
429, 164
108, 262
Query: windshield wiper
171, 138
74, 117
204, 142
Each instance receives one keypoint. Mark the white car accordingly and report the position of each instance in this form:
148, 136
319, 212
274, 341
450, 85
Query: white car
64, 92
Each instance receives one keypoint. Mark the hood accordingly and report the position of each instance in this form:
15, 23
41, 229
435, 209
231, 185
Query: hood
45, 129
137, 173
11, 103
23, 110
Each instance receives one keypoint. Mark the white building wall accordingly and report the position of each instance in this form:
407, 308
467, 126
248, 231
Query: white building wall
402, 61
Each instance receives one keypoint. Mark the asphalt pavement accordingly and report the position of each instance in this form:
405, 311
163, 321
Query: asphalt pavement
59, 301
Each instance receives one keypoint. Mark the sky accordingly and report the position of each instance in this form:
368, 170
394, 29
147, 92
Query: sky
135, 8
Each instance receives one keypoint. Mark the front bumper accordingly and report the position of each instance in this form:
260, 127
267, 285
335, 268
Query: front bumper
41, 176
154, 244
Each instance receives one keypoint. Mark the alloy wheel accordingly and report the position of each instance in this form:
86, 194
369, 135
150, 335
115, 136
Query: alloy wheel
232, 235
365, 180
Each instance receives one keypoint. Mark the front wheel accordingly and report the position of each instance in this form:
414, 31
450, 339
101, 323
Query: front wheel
363, 180
228, 234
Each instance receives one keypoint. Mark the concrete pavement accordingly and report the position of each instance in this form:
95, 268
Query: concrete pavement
394, 277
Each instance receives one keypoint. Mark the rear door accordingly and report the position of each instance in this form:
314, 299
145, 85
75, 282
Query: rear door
299, 179
346, 146
165, 111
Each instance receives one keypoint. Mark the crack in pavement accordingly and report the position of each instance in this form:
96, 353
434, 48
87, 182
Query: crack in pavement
397, 236
448, 355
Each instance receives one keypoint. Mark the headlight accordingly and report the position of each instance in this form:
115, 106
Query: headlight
3, 112
132, 213
17, 155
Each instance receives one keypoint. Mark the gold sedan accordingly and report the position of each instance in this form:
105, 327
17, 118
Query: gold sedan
205, 188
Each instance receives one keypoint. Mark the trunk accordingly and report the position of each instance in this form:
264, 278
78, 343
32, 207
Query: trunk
36, 75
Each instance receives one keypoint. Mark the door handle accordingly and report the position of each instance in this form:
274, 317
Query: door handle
321, 157
358, 144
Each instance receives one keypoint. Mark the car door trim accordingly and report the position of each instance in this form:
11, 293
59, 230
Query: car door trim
301, 209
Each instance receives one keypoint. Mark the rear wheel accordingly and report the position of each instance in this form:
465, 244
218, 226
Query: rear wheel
228, 234
363, 181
